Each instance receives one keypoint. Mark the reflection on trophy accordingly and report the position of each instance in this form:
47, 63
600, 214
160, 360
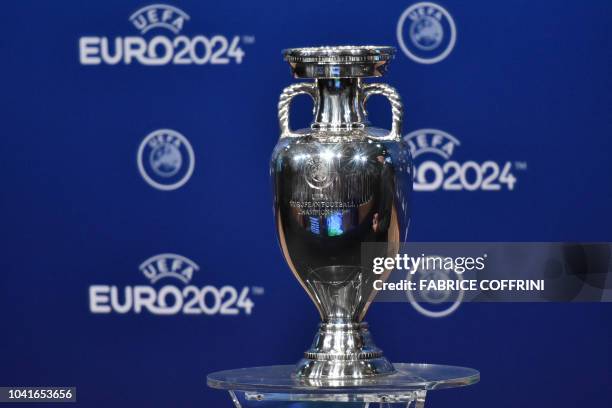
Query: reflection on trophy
338, 184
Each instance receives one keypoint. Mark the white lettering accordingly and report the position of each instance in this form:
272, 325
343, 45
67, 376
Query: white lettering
88, 50
98, 299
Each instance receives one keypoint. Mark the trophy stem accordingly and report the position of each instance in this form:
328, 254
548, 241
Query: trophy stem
343, 351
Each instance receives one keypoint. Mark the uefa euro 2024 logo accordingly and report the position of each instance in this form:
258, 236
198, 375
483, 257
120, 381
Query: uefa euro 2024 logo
434, 169
426, 33
165, 159
152, 47
163, 297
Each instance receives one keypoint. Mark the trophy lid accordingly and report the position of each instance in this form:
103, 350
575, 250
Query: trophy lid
339, 61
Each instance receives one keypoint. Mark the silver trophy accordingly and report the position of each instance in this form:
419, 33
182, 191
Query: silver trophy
337, 185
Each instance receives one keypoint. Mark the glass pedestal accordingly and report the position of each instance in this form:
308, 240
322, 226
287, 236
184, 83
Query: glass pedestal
275, 386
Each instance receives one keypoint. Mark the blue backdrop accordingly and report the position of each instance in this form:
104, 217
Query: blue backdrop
523, 85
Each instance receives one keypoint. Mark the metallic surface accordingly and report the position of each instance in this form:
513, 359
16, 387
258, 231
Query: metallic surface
337, 185
339, 62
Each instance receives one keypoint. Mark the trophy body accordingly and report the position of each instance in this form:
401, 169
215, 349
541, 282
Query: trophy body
337, 185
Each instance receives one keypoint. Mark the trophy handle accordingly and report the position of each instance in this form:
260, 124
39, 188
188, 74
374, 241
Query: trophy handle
397, 109
285, 101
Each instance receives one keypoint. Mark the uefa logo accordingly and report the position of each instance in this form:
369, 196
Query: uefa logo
434, 303
168, 266
318, 173
159, 16
426, 33
165, 159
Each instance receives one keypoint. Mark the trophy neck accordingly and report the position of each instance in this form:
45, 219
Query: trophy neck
339, 104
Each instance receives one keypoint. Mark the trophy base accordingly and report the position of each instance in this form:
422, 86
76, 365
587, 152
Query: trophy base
259, 387
343, 351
